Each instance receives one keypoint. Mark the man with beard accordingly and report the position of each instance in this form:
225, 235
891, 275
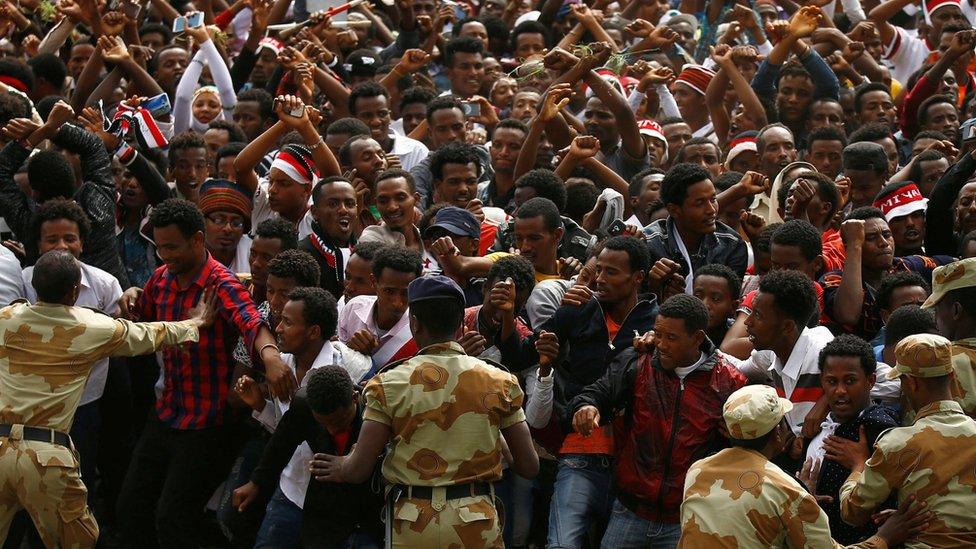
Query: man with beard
691, 236
335, 210
671, 390
849, 294
454, 168
904, 209
777, 150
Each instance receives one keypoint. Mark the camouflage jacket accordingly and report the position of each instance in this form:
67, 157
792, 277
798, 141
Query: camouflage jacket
935, 460
739, 499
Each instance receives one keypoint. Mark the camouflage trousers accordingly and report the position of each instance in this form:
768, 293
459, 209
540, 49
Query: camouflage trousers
470, 523
43, 478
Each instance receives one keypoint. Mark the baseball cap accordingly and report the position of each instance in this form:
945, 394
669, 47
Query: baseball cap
753, 411
361, 63
958, 274
434, 287
922, 355
456, 221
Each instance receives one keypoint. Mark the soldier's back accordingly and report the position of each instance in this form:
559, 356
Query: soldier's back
935, 460
445, 410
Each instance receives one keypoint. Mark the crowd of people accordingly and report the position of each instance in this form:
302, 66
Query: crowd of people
417, 273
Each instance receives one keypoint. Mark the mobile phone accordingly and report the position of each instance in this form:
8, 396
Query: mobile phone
179, 24
297, 113
194, 20
131, 10
471, 108
616, 228
158, 105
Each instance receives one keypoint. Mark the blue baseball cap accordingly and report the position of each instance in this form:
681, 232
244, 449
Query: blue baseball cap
456, 221
434, 287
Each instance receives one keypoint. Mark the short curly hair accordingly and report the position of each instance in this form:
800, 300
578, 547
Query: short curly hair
297, 264
688, 308
319, 308
674, 188
328, 389
184, 141
803, 235
60, 208
517, 268
280, 228
722, 271
852, 346
764, 241
793, 295
366, 89
368, 250
182, 213
635, 248
454, 153
909, 320
400, 259
901, 279
546, 184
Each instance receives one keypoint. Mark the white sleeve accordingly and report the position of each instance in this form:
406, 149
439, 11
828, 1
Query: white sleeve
668, 105
755, 368
182, 106
538, 410
764, 48
854, 11
886, 390
268, 418
634, 100
220, 74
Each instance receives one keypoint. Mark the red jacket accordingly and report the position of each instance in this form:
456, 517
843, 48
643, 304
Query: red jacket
668, 425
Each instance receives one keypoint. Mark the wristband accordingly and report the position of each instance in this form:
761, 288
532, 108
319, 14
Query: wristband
266, 345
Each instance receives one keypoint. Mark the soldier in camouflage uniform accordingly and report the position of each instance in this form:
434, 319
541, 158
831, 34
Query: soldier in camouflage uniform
933, 460
444, 413
46, 355
738, 498
954, 302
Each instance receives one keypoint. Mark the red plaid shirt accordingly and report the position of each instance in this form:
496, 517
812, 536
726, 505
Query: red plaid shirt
198, 376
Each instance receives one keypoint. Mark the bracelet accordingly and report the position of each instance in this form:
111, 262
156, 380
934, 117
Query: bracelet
317, 144
266, 345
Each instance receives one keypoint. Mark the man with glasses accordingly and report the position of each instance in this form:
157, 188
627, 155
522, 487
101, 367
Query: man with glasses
370, 103
227, 211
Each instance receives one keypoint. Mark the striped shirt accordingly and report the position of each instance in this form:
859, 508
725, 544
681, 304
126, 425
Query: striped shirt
197, 377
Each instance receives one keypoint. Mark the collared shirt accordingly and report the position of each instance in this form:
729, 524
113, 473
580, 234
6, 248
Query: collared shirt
905, 54
410, 151
99, 291
11, 281
295, 477
197, 378
359, 313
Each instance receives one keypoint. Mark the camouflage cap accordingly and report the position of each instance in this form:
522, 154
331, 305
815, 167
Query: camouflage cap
958, 274
922, 355
753, 411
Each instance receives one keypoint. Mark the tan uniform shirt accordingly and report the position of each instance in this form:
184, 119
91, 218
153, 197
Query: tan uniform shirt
739, 499
446, 410
935, 460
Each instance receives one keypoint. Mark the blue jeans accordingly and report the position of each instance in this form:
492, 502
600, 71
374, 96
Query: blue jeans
629, 530
516, 494
581, 496
282, 526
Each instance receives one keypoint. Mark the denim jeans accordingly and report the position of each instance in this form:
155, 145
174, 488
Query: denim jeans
516, 494
581, 496
282, 526
629, 530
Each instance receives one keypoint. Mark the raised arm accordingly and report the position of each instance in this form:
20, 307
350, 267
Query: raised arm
882, 13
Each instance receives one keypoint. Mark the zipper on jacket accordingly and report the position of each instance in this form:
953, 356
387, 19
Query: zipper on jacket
674, 433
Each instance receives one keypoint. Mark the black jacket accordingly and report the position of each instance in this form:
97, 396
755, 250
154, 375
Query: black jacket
96, 196
574, 243
940, 236
330, 260
585, 348
723, 246
332, 511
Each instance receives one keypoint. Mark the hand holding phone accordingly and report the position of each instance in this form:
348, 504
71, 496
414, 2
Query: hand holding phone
471, 108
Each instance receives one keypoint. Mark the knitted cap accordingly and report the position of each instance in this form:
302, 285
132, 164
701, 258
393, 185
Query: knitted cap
696, 77
220, 195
